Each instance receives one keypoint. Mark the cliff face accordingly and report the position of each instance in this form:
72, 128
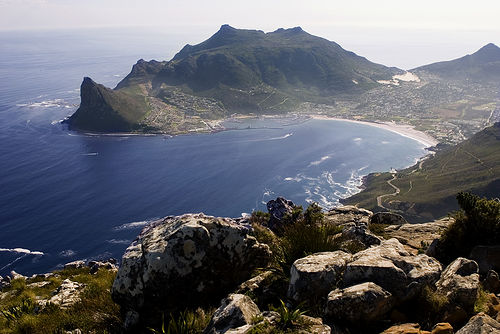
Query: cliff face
105, 110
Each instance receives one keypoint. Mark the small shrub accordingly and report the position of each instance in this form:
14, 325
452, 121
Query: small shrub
288, 318
481, 304
186, 322
378, 229
477, 223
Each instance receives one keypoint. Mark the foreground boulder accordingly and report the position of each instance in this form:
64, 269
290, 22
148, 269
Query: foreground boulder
480, 324
459, 282
348, 214
390, 266
364, 303
314, 276
183, 261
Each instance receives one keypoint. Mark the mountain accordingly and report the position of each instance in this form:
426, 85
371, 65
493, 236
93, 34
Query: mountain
481, 66
427, 190
234, 71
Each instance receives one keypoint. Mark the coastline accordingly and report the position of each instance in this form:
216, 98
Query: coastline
401, 129
214, 126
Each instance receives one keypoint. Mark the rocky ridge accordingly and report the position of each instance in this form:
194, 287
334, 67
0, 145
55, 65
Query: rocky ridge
196, 260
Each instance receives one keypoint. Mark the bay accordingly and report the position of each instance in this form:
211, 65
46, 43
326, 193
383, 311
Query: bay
66, 195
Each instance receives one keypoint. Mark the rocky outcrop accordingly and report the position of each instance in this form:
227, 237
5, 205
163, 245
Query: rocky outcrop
364, 303
360, 233
388, 218
348, 214
278, 209
492, 282
66, 295
94, 266
487, 257
480, 324
459, 282
314, 276
235, 311
394, 269
185, 261
417, 237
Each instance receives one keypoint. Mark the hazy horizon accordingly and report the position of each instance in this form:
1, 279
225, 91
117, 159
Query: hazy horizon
389, 32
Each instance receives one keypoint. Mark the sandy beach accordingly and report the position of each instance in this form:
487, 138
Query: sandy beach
401, 129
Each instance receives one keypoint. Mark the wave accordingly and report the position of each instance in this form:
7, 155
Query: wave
21, 251
90, 154
134, 225
56, 122
317, 162
54, 103
67, 253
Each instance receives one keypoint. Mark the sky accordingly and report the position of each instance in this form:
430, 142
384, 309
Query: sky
402, 33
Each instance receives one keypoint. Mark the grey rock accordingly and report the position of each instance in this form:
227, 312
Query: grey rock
278, 209
348, 214
480, 324
364, 302
131, 320
314, 276
186, 261
75, 265
360, 233
417, 236
15, 275
96, 265
459, 281
487, 257
235, 311
388, 218
393, 268
66, 295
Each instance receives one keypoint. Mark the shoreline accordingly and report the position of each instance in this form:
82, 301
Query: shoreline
404, 130
215, 126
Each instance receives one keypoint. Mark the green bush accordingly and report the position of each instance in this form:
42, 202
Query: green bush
477, 223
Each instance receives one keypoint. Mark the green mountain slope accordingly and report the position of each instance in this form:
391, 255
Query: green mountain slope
234, 71
428, 189
481, 66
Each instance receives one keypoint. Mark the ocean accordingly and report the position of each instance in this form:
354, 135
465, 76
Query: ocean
66, 195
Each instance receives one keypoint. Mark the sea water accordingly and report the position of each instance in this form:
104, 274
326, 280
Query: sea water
66, 195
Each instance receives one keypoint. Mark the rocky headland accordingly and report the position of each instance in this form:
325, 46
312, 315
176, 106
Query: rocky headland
372, 273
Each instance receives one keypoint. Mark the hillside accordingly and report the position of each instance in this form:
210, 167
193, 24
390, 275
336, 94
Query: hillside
427, 190
234, 71
481, 66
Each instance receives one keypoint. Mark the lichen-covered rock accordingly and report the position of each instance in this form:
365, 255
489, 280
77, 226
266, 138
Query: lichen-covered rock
278, 209
235, 311
364, 302
265, 288
487, 257
460, 283
314, 276
348, 214
480, 324
388, 218
393, 268
420, 236
188, 260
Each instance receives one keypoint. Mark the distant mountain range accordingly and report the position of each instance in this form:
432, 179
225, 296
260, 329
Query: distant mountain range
428, 189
